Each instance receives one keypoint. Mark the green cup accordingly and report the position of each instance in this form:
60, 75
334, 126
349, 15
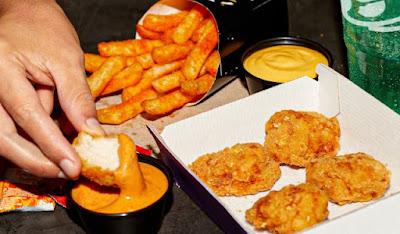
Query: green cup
371, 31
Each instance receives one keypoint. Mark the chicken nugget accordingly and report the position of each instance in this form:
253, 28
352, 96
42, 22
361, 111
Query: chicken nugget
295, 138
350, 178
291, 209
240, 170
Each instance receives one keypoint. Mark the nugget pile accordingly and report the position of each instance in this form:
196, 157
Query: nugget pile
300, 140
173, 64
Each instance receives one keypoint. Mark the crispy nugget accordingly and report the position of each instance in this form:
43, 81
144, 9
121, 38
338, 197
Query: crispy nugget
291, 209
295, 138
350, 178
240, 170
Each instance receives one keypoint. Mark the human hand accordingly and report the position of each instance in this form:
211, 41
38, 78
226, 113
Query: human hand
39, 54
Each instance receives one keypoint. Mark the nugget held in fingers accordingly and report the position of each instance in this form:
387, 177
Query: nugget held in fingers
100, 78
240, 170
289, 210
126, 110
167, 103
296, 138
149, 76
199, 86
171, 52
200, 53
99, 156
128, 47
93, 62
161, 23
168, 82
186, 28
350, 178
146, 33
129, 76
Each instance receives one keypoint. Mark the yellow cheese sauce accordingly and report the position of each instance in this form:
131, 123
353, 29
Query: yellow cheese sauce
284, 63
140, 185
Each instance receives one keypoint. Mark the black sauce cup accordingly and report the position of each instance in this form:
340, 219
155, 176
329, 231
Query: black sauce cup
255, 84
146, 220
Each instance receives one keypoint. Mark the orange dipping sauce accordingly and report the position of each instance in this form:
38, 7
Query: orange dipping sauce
140, 185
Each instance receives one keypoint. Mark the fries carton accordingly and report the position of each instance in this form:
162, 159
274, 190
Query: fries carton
167, 7
366, 126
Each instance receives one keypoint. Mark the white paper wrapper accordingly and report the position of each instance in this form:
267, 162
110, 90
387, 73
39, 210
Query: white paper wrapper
366, 126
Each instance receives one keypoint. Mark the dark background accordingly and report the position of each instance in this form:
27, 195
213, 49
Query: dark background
102, 20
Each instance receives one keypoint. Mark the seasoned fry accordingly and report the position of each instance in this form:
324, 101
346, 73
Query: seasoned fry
100, 78
126, 110
145, 60
167, 103
167, 36
185, 29
168, 82
197, 87
200, 52
129, 76
212, 63
200, 29
127, 47
171, 52
149, 76
147, 34
130, 60
93, 62
161, 23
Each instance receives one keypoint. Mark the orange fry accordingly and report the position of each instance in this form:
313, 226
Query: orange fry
129, 76
200, 52
130, 60
200, 29
93, 62
146, 33
197, 87
145, 60
122, 112
171, 52
127, 47
100, 78
160, 23
185, 29
212, 63
149, 76
167, 36
168, 82
167, 103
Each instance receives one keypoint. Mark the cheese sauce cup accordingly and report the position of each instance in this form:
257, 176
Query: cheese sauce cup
278, 60
146, 220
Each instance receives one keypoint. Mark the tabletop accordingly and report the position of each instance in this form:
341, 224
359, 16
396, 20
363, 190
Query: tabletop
102, 20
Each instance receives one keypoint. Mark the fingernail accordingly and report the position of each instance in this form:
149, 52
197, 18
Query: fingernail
61, 175
93, 127
68, 168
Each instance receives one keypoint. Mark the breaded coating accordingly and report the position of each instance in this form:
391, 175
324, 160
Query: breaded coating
291, 209
240, 170
295, 138
350, 178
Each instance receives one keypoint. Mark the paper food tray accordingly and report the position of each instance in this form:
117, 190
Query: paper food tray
366, 126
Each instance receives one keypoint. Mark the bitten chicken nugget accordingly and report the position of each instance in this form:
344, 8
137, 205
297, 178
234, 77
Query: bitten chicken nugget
295, 138
350, 178
93, 62
100, 78
101, 155
161, 23
147, 34
149, 76
240, 170
127, 47
186, 28
200, 53
124, 111
171, 52
129, 76
289, 210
